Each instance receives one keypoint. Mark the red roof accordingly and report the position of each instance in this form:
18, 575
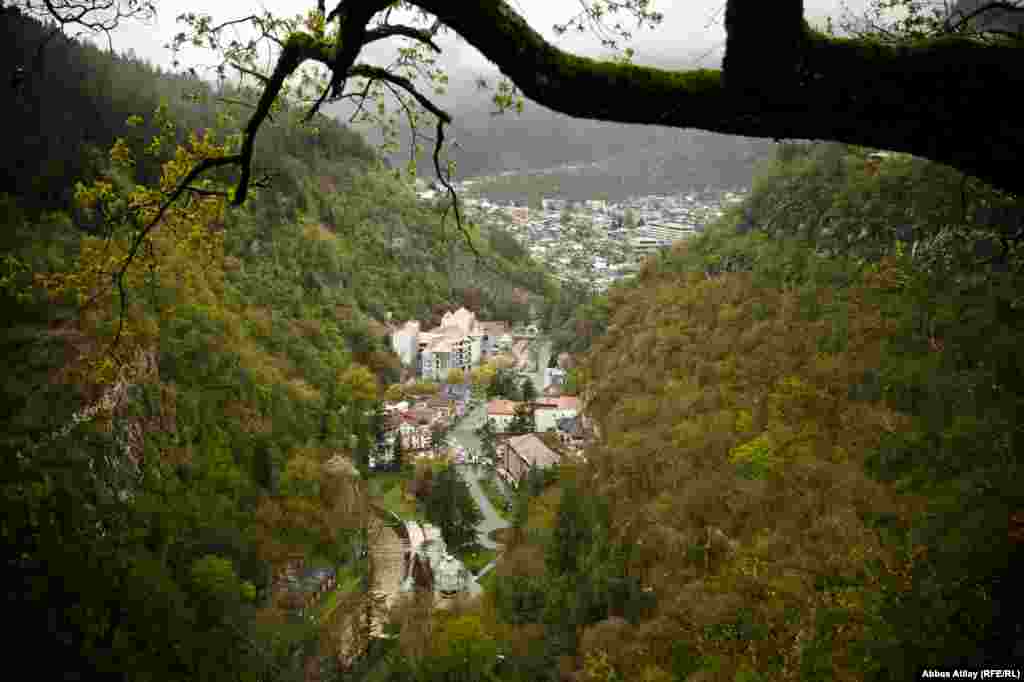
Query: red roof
499, 406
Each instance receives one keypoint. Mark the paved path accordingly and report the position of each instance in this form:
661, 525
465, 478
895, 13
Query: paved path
463, 434
543, 358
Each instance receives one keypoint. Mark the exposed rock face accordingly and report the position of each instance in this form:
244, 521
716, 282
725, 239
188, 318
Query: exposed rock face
116, 400
422, 573
386, 552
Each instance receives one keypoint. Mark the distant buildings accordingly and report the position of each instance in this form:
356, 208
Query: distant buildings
669, 230
644, 245
519, 214
663, 220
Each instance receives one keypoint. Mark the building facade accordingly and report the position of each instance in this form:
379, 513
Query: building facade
460, 342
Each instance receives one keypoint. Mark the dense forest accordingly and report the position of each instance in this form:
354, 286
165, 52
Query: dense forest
808, 463
172, 401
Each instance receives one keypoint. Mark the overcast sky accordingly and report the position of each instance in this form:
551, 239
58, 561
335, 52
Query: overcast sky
691, 30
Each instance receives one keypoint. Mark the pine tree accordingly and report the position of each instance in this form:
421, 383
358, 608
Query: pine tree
438, 434
572, 532
529, 390
451, 508
523, 421
488, 440
397, 452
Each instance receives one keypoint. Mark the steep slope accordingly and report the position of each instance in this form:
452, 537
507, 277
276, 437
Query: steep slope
806, 427
156, 488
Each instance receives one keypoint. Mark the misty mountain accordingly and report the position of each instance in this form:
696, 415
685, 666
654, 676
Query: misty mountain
633, 158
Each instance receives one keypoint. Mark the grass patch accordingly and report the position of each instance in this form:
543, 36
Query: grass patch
487, 582
476, 557
495, 497
386, 490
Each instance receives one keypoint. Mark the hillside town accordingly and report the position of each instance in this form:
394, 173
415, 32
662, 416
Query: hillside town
597, 240
461, 343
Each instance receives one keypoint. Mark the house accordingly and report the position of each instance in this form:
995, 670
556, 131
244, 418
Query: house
443, 407
553, 375
415, 436
570, 430
456, 392
504, 343
519, 214
550, 410
500, 413
415, 428
490, 332
518, 454
391, 432
404, 342
445, 348
396, 408
458, 396
423, 414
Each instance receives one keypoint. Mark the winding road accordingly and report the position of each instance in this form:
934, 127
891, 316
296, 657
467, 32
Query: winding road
463, 434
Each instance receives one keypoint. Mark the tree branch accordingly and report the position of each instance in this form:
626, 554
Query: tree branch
785, 83
377, 73
249, 72
963, 19
381, 32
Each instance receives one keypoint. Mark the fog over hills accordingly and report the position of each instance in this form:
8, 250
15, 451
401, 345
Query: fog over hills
630, 159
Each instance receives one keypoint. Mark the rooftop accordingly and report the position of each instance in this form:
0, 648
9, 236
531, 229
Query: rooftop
499, 406
533, 450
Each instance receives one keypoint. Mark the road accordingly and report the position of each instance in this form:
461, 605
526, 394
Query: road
463, 434
543, 358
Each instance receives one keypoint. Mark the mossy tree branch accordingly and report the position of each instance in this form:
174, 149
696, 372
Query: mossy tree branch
941, 98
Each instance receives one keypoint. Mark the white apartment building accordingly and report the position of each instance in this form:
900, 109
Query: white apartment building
459, 343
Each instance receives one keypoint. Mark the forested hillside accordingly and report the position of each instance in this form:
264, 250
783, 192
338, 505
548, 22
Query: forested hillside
810, 441
809, 415
809, 457
629, 160
176, 388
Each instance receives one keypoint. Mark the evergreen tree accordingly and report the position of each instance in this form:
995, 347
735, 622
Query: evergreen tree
438, 435
451, 508
572, 532
397, 452
488, 442
362, 453
502, 385
529, 390
523, 421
